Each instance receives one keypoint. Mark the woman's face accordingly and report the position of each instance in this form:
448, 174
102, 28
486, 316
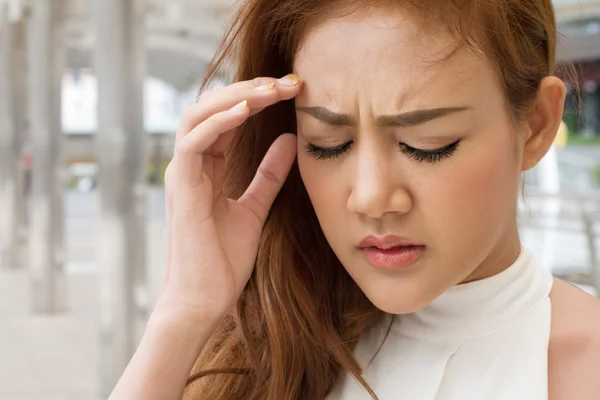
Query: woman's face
393, 141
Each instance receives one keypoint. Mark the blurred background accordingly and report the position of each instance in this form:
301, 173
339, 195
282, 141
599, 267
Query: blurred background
91, 92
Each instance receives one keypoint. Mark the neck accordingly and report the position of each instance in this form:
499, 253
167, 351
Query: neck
502, 256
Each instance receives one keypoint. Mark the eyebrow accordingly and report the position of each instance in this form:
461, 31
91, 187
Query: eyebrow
407, 119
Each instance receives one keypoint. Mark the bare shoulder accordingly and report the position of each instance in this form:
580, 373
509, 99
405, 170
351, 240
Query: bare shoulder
574, 351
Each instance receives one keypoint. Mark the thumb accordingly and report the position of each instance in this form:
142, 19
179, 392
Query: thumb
271, 175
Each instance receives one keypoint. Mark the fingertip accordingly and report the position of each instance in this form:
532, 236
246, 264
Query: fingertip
240, 107
289, 140
290, 80
288, 92
289, 135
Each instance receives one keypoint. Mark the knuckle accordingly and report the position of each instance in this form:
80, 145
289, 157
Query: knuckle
205, 95
169, 174
256, 205
269, 176
215, 120
189, 112
235, 92
184, 148
256, 82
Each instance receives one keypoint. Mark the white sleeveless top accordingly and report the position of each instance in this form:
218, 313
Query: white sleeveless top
484, 340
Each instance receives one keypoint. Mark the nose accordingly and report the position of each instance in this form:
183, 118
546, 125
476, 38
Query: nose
377, 188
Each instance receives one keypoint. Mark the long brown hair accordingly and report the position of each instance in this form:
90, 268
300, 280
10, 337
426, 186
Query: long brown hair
299, 318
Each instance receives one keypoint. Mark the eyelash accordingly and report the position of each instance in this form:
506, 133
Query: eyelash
425, 156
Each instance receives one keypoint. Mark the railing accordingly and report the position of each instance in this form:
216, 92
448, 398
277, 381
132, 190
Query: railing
574, 213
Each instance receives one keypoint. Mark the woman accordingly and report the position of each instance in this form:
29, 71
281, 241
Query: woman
386, 262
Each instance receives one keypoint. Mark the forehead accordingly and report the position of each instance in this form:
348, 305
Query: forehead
388, 51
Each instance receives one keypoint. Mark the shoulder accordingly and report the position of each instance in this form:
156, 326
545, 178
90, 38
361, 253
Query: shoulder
574, 350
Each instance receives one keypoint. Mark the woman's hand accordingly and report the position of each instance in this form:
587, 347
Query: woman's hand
213, 240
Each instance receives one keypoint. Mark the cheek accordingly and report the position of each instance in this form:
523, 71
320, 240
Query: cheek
477, 194
317, 183
324, 183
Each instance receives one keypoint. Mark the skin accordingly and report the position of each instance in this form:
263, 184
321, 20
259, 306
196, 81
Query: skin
462, 208
573, 354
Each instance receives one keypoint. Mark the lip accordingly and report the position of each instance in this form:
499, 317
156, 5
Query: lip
386, 242
390, 252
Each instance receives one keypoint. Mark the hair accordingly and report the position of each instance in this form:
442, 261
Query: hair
294, 329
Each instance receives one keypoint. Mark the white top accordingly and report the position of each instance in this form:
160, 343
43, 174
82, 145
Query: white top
484, 340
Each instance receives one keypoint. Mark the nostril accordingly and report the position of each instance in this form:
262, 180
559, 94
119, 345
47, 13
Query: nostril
374, 202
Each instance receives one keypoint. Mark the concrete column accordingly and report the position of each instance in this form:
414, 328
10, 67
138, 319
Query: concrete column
12, 118
119, 64
591, 108
549, 183
46, 50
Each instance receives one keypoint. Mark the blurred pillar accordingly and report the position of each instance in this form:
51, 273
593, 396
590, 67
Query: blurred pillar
46, 55
549, 178
121, 151
591, 109
12, 96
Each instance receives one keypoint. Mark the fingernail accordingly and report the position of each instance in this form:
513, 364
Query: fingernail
240, 106
289, 80
267, 87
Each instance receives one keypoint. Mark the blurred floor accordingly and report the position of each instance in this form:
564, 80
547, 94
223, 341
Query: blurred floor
48, 357
56, 357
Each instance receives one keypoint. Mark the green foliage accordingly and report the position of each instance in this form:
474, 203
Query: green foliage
579, 140
596, 173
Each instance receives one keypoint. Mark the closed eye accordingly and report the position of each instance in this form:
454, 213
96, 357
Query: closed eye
429, 156
322, 153
420, 155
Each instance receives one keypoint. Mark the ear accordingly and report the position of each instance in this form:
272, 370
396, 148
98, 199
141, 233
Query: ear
543, 121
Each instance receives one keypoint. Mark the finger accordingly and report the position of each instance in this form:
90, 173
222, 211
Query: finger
169, 189
167, 260
190, 148
260, 93
216, 161
191, 116
218, 175
270, 176
214, 167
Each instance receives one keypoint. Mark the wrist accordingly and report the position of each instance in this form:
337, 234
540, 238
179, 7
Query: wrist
170, 318
177, 338
164, 358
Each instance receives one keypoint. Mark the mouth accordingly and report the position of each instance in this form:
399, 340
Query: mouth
386, 242
391, 252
